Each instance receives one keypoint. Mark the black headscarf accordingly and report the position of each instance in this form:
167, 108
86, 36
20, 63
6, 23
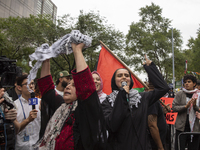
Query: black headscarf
113, 84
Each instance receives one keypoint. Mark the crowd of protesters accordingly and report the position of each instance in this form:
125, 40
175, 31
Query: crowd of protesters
75, 114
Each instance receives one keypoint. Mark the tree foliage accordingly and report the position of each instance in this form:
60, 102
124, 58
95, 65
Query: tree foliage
95, 26
194, 50
20, 36
152, 35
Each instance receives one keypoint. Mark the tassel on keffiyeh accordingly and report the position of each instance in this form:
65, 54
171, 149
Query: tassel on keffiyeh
134, 98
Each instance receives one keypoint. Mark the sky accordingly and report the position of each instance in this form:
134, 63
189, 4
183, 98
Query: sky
184, 14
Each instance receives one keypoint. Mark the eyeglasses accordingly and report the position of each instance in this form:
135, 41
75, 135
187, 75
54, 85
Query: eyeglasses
32, 83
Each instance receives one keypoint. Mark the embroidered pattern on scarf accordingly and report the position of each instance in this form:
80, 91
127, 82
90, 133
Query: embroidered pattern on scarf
192, 116
134, 98
102, 96
54, 127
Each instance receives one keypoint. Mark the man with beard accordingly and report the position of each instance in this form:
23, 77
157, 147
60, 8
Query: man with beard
63, 78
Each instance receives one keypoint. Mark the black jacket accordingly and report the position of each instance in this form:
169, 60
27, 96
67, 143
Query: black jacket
128, 127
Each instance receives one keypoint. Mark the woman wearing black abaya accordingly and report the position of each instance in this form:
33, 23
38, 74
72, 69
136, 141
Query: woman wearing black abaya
125, 109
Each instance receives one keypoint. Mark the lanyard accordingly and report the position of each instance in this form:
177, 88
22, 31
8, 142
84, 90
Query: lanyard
2, 113
22, 108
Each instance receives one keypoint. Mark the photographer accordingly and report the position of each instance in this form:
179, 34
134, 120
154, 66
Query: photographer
7, 132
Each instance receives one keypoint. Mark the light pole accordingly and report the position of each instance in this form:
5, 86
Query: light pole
172, 78
173, 60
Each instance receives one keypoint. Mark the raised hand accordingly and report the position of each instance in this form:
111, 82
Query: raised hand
77, 47
79, 58
147, 61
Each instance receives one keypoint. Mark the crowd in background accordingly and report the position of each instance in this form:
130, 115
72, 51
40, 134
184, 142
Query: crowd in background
74, 112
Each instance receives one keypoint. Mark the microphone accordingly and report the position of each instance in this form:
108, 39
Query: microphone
124, 83
33, 100
33, 96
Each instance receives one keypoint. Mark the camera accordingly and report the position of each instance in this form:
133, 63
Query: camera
8, 71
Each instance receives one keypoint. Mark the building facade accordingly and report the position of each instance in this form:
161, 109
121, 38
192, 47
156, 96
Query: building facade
23, 8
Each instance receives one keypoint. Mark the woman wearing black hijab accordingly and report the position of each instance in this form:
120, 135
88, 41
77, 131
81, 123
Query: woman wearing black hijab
125, 109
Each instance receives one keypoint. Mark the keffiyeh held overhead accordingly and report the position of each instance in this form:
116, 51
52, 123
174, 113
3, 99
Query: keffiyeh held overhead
61, 46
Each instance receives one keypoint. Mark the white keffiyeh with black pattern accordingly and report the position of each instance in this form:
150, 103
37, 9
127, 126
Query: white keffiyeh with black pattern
134, 98
61, 46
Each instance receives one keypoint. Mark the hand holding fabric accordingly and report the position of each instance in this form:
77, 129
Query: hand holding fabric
79, 58
1, 94
10, 114
77, 47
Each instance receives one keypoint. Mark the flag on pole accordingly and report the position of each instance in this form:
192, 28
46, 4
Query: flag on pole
108, 63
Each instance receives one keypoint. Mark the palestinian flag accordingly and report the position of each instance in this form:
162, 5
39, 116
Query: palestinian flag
107, 64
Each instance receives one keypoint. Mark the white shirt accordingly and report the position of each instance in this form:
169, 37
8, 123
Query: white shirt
61, 93
34, 125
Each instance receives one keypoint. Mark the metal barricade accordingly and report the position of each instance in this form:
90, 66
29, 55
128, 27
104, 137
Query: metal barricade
186, 133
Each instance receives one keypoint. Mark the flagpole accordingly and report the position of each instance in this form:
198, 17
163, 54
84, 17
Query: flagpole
124, 65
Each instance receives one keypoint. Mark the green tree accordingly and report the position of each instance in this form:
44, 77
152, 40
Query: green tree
180, 57
194, 49
152, 36
19, 37
95, 26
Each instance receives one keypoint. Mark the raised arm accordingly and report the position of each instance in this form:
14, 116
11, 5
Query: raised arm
45, 68
78, 55
45, 82
160, 86
88, 113
82, 75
